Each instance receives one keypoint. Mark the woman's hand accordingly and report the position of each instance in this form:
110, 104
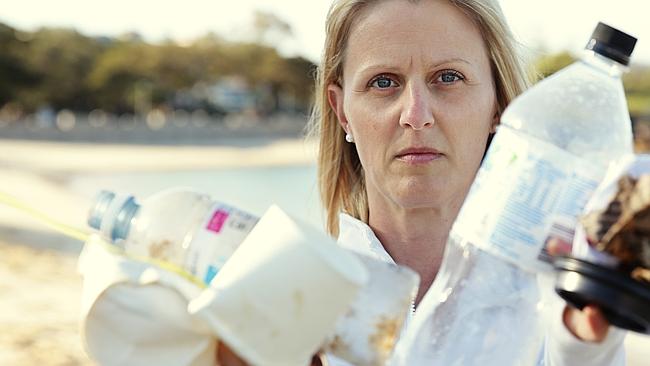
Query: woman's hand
588, 324
226, 357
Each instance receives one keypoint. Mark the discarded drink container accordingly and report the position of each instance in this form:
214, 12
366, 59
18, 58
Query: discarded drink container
179, 226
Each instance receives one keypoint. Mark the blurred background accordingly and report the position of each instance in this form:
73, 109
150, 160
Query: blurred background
138, 96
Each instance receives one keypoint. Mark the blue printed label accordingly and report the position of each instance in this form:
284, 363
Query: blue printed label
526, 191
210, 273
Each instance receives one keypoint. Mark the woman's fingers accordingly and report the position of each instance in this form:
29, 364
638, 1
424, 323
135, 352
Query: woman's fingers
226, 357
556, 246
588, 324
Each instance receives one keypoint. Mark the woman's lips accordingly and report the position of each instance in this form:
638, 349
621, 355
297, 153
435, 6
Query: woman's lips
418, 155
419, 158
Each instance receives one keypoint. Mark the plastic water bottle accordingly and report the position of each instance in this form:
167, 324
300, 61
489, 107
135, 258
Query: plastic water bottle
551, 150
179, 226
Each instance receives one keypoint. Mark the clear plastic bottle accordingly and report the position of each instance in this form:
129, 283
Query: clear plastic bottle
551, 150
179, 226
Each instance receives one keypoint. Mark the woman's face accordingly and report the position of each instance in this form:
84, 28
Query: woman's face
418, 98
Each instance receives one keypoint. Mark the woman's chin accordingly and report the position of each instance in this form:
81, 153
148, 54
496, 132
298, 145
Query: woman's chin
421, 199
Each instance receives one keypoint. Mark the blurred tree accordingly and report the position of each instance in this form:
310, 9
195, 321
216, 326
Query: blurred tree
210, 55
637, 80
637, 88
174, 67
549, 64
299, 76
62, 58
118, 72
15, 75
269, 29
263, 68
61, 68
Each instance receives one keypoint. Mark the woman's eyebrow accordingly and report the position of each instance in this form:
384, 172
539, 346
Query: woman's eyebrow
378, 67
450, 61
392, 67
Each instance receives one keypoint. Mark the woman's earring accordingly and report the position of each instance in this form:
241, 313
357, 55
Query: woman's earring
348, 138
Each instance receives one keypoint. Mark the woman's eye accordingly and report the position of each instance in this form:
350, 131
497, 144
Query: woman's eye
383, 82
449, 77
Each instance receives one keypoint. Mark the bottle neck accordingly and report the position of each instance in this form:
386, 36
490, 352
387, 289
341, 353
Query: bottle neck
124, 218
604, 64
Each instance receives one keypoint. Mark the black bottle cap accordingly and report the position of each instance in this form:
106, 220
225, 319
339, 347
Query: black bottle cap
612, 43
625, 302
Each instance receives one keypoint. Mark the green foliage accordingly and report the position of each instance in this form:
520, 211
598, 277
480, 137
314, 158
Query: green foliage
548, 65
637, 81
61, 57
639, 103
64, 69
15, 75
116, 72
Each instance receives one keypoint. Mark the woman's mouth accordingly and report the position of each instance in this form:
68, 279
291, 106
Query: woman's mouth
418, 155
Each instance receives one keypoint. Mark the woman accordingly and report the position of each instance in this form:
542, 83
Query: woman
407, 96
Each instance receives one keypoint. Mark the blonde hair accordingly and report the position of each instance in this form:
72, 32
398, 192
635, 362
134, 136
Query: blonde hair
340, 176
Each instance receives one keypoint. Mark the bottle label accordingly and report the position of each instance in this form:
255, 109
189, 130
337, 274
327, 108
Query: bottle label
526, 192
215, 241
219, 218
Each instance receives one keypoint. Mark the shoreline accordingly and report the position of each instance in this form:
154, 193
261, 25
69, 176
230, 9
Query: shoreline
41, 174
88, 158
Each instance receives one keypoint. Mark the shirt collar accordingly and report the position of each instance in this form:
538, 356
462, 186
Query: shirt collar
356, 235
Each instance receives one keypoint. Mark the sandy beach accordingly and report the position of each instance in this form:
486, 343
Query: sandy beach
39, 285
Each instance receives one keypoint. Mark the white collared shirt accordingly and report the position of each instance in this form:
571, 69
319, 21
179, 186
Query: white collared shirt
358, 236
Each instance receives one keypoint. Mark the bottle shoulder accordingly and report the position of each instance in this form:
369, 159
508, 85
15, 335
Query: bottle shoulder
169, 213
580, 109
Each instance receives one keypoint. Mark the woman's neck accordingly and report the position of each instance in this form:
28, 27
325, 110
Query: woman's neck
415, 238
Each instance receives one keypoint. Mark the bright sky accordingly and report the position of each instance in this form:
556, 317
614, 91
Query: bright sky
555, 24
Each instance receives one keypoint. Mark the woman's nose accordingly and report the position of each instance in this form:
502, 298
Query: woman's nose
417, 112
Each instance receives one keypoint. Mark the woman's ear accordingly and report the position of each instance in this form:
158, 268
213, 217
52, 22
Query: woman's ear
335, 99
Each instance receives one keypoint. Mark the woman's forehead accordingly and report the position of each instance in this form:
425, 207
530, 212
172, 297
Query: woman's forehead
429, 31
